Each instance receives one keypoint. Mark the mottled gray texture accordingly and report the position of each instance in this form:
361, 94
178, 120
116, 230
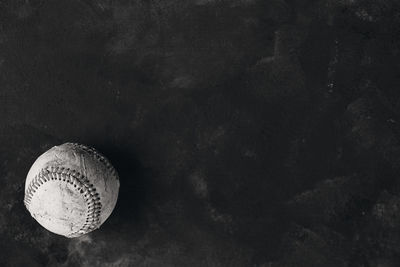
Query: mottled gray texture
246, 133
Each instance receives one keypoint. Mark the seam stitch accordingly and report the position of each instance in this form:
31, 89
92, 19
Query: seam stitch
98, 156
80, 182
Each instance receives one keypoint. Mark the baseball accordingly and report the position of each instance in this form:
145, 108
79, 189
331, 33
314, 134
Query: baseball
71, 189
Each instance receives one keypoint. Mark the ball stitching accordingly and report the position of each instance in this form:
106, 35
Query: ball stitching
98, 156
80, 182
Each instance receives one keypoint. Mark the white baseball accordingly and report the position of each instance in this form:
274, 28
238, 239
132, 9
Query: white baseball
71, 189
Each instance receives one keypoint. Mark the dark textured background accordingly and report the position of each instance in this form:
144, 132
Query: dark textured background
246, 133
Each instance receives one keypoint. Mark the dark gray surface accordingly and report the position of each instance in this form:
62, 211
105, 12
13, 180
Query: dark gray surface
246, 133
